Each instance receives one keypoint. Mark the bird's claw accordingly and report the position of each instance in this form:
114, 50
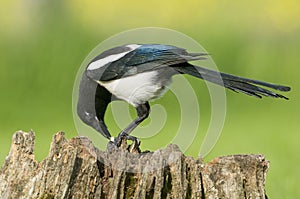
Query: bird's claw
121, 141
135, 146
121, 137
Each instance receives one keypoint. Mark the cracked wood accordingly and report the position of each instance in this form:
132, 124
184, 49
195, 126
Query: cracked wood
76, 169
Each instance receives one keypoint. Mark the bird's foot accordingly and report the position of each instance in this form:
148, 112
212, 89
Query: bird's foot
135, 146
121, 142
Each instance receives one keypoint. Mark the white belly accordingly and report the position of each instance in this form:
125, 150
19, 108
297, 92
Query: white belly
139, 88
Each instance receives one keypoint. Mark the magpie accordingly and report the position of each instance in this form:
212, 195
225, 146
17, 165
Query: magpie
138, 73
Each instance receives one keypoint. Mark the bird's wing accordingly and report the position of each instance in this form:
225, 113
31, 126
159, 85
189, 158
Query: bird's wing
145, 58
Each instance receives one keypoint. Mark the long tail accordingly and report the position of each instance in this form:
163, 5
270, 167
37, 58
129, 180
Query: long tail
235, 83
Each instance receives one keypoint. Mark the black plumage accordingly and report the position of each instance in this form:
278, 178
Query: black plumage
138, 73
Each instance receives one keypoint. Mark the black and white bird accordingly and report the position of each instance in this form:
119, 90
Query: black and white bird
138, 73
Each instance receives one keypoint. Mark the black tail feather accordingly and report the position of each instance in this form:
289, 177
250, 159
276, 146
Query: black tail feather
239, 84
257, 82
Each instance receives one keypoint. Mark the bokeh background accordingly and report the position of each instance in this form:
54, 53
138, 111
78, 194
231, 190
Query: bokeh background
43, 43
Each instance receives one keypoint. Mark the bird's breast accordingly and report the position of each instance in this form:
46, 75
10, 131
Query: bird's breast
140, 88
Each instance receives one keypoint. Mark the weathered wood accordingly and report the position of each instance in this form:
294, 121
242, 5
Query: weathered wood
76, 169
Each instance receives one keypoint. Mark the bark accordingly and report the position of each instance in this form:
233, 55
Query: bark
76, 169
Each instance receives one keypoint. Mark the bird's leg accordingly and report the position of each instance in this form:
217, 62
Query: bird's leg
143, 111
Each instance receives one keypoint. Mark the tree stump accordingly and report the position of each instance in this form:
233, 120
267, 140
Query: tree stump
76, 169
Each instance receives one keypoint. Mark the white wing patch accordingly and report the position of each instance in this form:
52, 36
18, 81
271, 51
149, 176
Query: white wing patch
101, 62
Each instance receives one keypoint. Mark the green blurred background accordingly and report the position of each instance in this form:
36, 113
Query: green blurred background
43, 43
